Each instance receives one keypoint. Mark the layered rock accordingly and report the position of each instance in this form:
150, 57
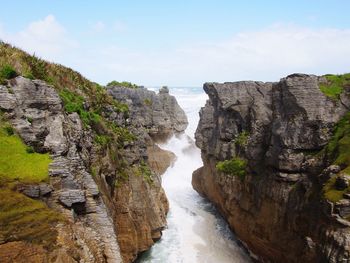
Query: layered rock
35, 110
114, 206
159, 113
278, 208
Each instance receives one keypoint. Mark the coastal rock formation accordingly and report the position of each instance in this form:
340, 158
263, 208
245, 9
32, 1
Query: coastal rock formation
278, 208
109, 194
159, 113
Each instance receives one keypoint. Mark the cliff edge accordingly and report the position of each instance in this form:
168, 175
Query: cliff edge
272, 166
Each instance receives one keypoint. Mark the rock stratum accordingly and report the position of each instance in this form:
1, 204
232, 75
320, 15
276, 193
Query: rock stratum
103, 184
278, 207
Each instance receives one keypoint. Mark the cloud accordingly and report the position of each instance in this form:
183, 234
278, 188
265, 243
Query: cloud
98, 27
267, 55
46, 38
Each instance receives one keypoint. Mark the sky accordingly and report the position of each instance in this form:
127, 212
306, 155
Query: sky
183, 43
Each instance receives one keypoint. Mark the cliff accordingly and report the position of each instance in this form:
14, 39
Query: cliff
275, 166
84, 170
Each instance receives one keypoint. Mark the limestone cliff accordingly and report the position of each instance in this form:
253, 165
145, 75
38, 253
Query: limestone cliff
104, 176
277, 132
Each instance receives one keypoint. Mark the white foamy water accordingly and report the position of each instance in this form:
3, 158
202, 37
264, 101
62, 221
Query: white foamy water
195, 232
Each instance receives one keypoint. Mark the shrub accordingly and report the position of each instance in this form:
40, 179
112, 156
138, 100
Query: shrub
102, 140
124, 84
7, 72
235, 167
30, 149
9, 130
242, 138
75, 103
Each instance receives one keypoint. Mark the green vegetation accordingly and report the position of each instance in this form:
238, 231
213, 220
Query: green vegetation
124, 84
235, 167
7, 72
335, 85
338, 150
146, 172
22, 218
147, 102
75, 103
17, 163
331, 193
242, 139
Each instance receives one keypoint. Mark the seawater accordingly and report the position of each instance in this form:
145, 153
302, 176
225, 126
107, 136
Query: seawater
196, 233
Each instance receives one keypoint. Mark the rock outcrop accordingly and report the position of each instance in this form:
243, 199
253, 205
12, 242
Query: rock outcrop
109, 195
278, 208
159, 113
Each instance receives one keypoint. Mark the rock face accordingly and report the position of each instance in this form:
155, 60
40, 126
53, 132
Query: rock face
278, 208
160, 113
114, 207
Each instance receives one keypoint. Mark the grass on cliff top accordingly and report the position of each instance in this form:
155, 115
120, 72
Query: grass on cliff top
61, 77
16, 161
25, 219
335, 85
338, 150
124, 84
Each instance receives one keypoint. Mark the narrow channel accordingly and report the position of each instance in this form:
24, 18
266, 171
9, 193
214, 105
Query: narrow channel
195, 232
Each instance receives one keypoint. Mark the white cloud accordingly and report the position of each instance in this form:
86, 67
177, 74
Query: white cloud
268, 54
46, 38
98, 27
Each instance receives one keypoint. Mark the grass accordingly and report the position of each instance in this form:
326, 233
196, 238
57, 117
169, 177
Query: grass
335, 85
124, 84
331, 193
16, 163
338, 151
234, 167
22, 218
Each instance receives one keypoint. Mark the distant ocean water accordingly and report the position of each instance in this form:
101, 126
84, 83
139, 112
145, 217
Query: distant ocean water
196, 233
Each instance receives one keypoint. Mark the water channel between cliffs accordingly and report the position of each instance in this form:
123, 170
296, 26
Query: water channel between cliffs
195, 232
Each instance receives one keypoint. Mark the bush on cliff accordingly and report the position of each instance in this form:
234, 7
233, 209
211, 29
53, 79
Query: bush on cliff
124, 84
235, 167
7, 72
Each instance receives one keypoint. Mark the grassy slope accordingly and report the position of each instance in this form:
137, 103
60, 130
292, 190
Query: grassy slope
17, 164
22, 218
338, 148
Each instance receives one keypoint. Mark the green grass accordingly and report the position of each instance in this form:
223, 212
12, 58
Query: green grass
338, 151
16, 163
335, 85
331, 193
124, 84
22, 218
234, 167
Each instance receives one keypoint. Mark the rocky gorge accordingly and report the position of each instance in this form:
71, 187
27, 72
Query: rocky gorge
275, 164
102, 196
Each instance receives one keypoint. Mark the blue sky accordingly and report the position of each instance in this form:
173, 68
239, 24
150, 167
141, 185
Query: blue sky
183, 43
